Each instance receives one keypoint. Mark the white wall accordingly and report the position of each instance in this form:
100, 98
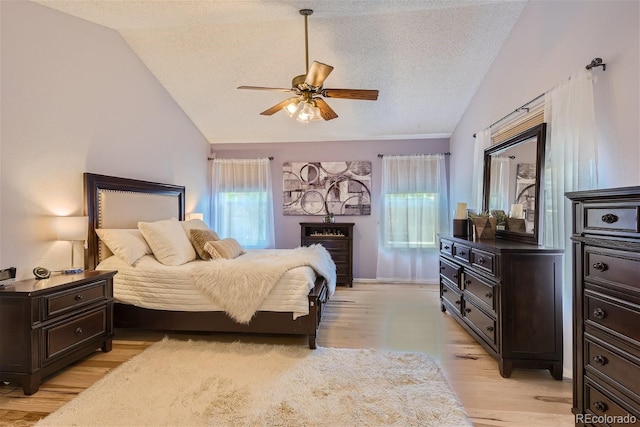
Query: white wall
75, 98
551, 41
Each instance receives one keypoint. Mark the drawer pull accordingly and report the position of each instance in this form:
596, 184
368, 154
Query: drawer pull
600, 406
442, 267
481, 261
468, 282
488, 295
609, 218
458, 302
490, 328
447, 247
462, 253
600, 266
78, 331
468, 310
599, 313
600, 360
79, 297
444, 290
455, 276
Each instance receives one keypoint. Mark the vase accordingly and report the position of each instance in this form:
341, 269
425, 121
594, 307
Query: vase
485, 227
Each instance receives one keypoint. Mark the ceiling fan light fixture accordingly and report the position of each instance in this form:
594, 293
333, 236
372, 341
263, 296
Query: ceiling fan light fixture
308, 113
291, 107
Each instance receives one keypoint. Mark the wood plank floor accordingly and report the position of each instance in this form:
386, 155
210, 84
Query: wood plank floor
399, 317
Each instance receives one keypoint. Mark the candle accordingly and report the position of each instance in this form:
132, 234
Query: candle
461, 211
517, 211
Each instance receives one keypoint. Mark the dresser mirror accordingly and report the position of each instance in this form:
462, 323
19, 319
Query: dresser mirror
513, 173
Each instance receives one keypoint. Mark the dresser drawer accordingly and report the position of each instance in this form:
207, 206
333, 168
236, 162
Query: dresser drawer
622, 370
446, 247
74, 332
339, 257
612, 267
482, 322
453, 297
66, 301
613, 316
606, 405
330, 244
342, 269
614, 218
450, 271
484, 260
480, 289
462, 253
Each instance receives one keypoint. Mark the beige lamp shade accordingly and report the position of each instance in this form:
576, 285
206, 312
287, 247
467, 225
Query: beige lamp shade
71, 228
195, 215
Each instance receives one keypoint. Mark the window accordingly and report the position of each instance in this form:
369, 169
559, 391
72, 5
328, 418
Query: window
242, 205
409, 220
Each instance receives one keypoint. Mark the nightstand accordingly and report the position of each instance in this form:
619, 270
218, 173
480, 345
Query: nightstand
337, 239
45, 325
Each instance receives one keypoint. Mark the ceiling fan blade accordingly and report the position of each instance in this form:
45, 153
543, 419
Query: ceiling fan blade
363, 94
326, 112
279, 106
317, 74
275, 89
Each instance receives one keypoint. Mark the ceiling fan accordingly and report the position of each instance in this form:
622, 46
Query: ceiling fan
308, 103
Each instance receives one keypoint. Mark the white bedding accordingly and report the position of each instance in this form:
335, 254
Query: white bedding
152, 285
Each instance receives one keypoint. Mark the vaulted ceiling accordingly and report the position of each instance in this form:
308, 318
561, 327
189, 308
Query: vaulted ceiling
426, 58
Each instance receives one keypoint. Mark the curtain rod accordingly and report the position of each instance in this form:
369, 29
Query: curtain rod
420, 154
595, 62
213, 158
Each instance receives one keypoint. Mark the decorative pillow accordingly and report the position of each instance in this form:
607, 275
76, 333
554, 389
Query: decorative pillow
199, 238
193, 224
224, 249
126, 244
168, 241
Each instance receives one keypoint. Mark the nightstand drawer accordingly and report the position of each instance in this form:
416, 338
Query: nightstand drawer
62, 337
62, 302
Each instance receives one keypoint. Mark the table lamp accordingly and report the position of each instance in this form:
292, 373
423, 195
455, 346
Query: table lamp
71, 229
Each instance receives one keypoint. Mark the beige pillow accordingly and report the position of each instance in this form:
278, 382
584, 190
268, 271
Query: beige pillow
168, 241
126, 244
199, 238
224, 249
193, 224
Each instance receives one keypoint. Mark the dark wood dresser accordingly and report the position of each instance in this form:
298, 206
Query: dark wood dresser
337, 238
45, 325
606, 306
508, 296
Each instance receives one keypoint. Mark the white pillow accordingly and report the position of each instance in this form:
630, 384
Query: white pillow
126, 244
168, 241
193, 224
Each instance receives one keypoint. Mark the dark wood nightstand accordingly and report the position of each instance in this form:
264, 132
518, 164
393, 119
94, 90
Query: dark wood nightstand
45, 325
337, 239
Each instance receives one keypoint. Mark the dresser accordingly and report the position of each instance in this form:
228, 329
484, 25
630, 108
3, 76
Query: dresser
606, 306
508, 296
337, 238
45, 325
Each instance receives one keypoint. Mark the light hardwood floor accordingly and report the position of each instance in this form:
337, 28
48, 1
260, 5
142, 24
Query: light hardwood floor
398, 317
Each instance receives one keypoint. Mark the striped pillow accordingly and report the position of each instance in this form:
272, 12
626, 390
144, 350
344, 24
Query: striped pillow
224, 249
199, 238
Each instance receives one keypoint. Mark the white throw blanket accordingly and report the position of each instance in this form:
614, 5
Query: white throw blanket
240, 285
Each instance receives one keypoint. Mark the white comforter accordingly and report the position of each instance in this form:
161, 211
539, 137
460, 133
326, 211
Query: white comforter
152, 285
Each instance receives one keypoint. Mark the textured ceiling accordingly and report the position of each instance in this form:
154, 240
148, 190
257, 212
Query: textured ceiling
426, 57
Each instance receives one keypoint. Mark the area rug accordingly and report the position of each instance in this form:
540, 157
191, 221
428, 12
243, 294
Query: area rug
180, 383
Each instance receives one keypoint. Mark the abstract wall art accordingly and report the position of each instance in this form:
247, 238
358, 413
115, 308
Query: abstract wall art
322, 188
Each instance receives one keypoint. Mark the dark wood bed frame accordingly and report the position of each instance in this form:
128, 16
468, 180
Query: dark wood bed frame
129, 316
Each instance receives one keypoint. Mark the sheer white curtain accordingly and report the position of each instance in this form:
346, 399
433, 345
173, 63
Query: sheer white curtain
242, 201
414, 210
500, 179
570, 165
483, 141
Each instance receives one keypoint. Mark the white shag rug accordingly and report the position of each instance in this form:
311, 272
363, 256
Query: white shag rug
189, 383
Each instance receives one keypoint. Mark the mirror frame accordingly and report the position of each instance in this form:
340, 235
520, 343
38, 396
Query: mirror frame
540, 132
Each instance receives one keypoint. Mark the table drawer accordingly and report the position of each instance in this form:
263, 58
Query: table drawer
62, 302
450, 271
462, 253
612, 267
482, 322
62, 337
622, 370
484, 260
481, 289
612, 316
619, 218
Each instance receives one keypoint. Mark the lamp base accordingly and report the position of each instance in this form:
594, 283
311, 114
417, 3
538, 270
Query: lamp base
73, 270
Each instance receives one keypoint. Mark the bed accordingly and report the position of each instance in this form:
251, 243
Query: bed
121, 203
